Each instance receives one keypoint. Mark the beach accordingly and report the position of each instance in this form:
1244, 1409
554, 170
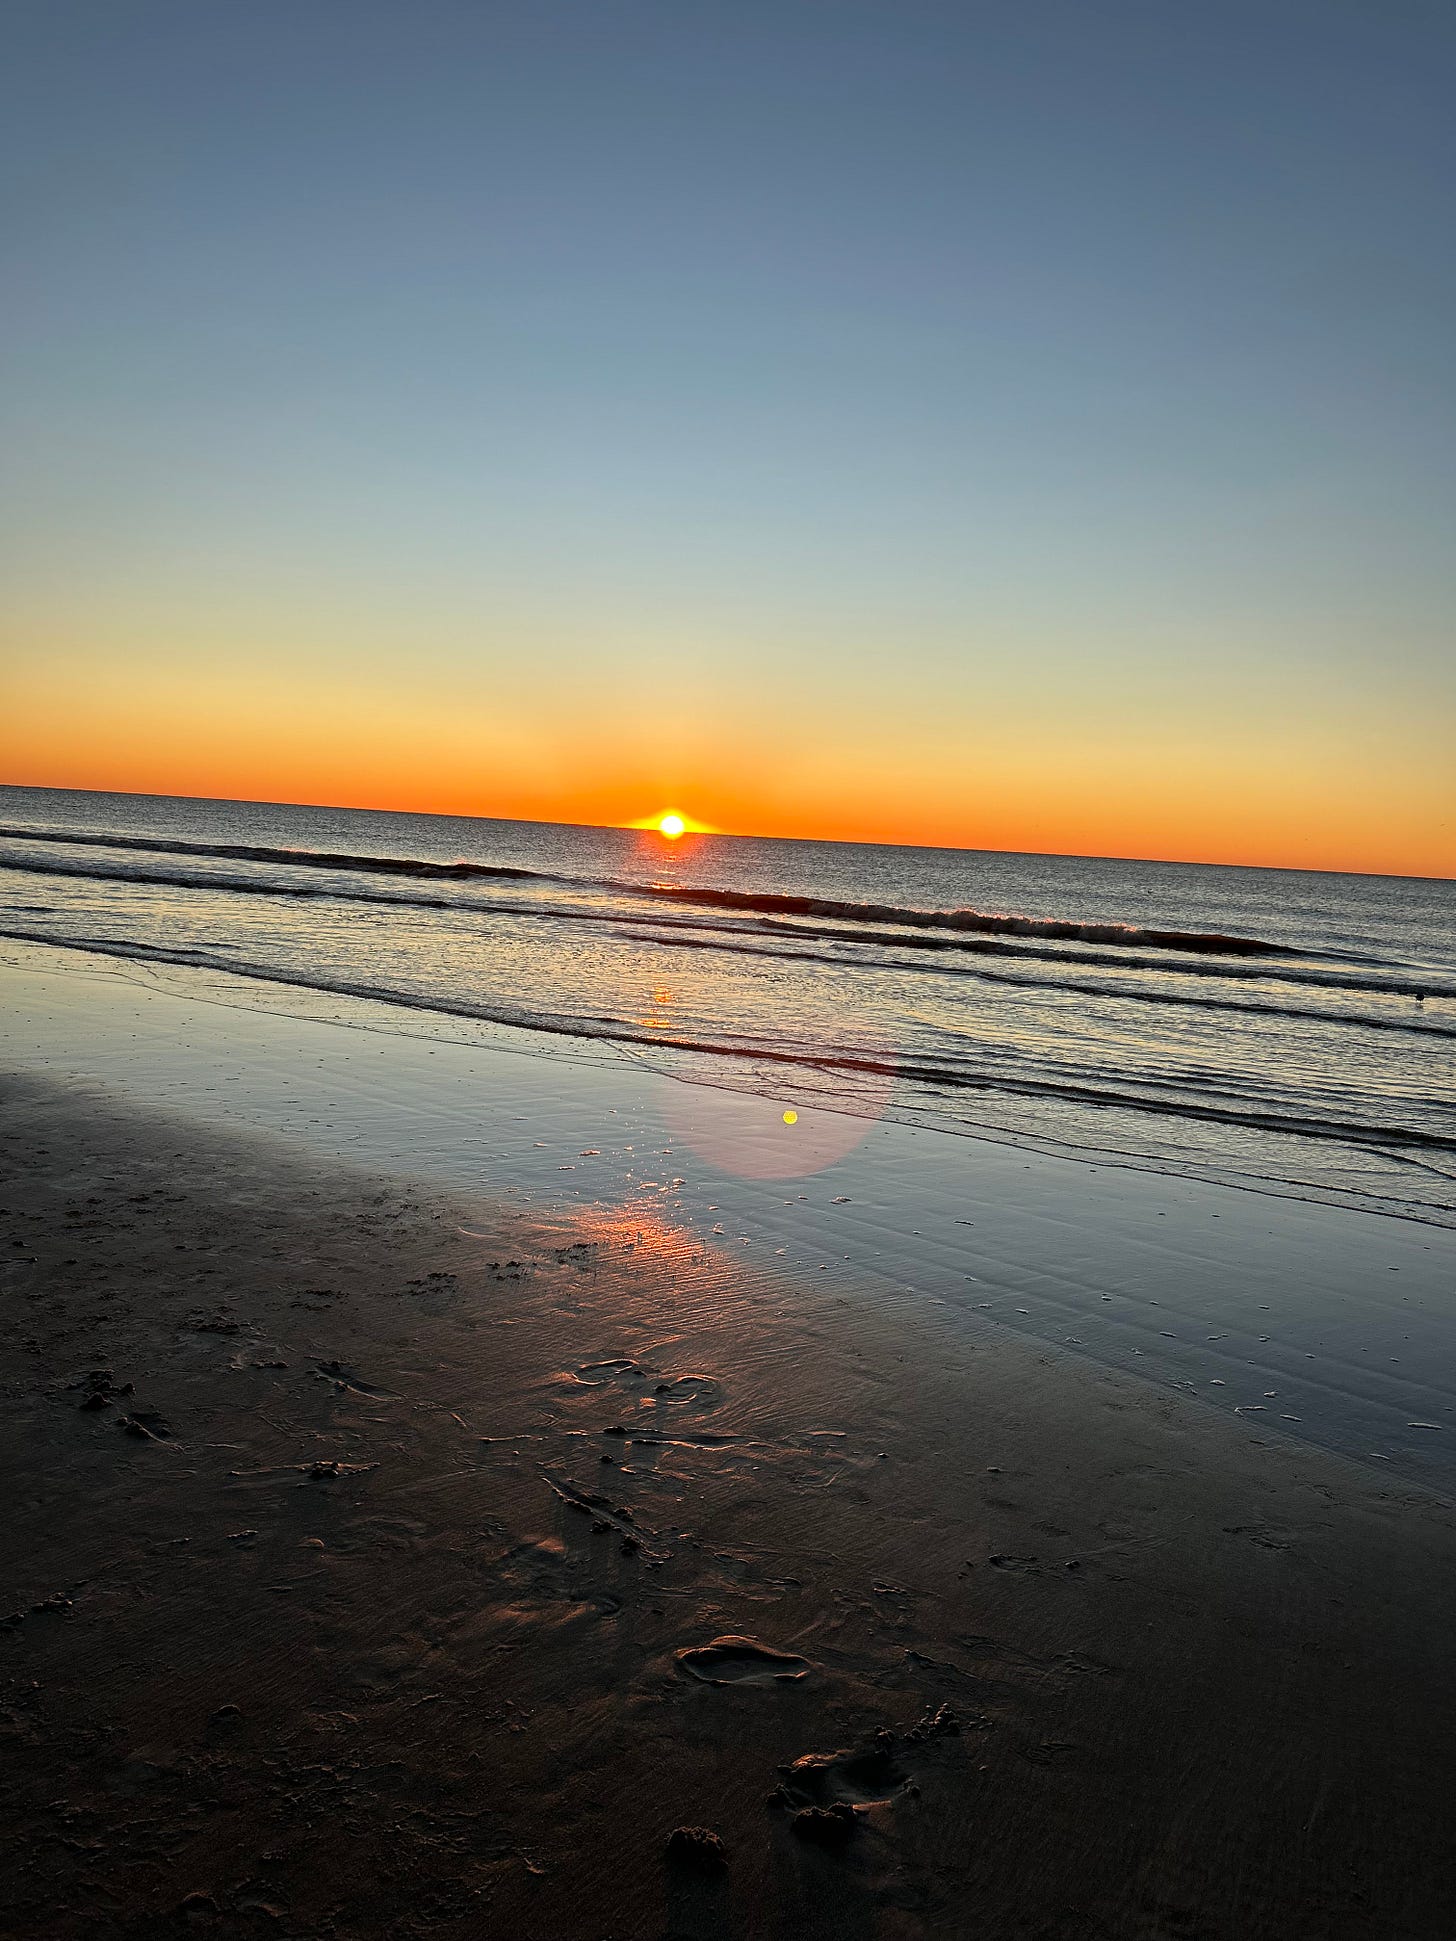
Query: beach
728, 973
374, 1545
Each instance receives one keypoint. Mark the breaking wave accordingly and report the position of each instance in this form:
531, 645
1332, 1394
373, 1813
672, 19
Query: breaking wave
1289, 967
1053, 928
756, 902
238, 852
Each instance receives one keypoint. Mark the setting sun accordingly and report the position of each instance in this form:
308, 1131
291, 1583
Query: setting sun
672, 823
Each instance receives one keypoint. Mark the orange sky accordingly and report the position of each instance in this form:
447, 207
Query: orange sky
1324, 794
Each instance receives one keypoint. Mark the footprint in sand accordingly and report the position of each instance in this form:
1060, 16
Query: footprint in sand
598, 1374
826, 1792
742, 1661
681, 1389
652, 1388
869, 1775
542, 1587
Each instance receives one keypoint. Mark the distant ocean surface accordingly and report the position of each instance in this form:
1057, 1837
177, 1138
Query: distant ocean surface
1288, 1030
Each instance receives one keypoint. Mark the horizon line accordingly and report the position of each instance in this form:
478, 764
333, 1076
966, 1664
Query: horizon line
735, 835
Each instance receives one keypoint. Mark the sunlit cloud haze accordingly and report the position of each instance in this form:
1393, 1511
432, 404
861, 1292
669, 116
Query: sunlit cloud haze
1021, 426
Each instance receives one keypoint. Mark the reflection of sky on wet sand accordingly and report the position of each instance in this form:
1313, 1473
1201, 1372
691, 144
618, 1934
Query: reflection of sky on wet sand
1348, 1318
757, 1138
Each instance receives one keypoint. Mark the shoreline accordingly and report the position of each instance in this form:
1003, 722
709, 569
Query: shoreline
1199, 1675
1330, 1324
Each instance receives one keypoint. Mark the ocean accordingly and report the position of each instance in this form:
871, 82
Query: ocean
1286, 1030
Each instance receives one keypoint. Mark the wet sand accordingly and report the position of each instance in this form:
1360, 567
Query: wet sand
383, 1563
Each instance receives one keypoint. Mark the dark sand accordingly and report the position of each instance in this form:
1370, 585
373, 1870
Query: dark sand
399, 1606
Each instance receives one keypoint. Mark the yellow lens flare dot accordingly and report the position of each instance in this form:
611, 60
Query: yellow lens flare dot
791, 1118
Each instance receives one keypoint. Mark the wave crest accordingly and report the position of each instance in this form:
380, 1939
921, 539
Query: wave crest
756, 902
238, 852
1060, 929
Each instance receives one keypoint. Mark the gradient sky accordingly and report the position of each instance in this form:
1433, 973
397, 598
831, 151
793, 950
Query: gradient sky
1015, 425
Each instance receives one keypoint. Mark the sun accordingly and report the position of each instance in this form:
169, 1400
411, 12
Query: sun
672, 823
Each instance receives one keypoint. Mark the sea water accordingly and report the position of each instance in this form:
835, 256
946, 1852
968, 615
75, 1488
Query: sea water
1290, 1030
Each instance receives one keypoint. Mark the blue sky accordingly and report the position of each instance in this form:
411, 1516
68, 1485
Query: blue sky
1073, 374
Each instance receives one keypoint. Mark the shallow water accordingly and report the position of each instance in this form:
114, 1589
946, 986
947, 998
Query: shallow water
1323, 1323
1285, 1029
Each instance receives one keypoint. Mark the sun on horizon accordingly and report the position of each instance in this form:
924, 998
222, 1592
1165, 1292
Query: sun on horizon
672, 823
